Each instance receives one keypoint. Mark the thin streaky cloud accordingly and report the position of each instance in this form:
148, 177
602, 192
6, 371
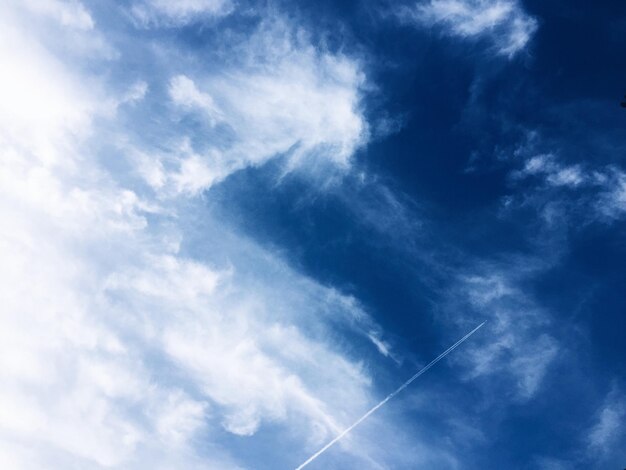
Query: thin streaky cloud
387, 398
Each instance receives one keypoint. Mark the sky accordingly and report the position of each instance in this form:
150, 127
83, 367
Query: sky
232, 227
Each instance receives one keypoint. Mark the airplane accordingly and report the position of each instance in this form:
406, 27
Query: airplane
623, 105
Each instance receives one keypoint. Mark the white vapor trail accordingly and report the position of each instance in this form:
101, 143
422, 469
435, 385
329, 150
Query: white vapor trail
389, 397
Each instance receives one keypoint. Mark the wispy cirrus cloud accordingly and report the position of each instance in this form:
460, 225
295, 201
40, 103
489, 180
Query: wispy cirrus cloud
503, 23
279, 98
604, 436
155, 13
554, 173
566, 191
521, 349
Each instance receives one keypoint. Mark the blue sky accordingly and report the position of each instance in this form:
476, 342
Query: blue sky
232, 227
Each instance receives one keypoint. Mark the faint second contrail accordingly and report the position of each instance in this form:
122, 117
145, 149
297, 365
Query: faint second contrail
389, 397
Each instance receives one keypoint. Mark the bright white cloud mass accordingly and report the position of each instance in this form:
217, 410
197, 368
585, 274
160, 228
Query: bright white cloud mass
117, 350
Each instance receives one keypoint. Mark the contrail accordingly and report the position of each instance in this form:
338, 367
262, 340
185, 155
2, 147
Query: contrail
389, 397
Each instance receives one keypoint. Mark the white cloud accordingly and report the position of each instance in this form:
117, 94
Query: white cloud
180, 12
69, 13
220, 338
533, 362
39, 100
606, 185
280, 97
64, 26
184, 92
382, 346
180, 418
612, 201
503, 22
555, 173
519, 346
135, 93
117, 350
605, 434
